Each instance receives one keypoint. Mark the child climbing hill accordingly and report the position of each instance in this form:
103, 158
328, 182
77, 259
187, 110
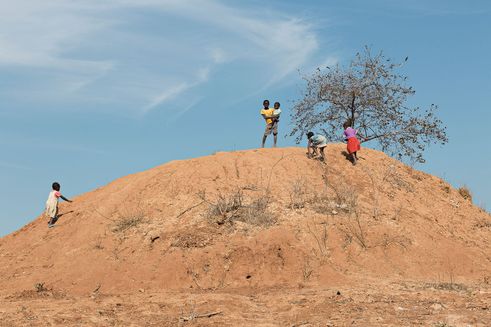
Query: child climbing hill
353, 144
52, 204
316, 141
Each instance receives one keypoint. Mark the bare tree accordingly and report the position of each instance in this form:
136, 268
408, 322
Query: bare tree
374, 97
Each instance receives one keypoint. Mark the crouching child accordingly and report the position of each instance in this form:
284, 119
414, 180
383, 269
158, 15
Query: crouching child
316, 144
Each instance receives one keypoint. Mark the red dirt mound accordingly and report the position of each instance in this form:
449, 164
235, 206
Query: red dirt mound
256, 219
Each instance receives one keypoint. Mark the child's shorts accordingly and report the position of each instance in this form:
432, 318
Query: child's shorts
273, 127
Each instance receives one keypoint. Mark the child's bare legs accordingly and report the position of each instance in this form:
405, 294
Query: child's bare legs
52, 221
275, 140
323, 158
354, 158
264, 140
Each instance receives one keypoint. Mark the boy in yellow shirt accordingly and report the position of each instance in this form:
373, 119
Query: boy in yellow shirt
271, 124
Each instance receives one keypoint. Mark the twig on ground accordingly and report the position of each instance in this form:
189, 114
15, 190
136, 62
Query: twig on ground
104, 216
189, 209
97, 288
196, 316
300, 324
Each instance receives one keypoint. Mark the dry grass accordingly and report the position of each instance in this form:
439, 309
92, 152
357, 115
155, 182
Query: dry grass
465, 193
129, 219
448, 286
40, 288
321, 238
299, 194
233, 207
483, 223
394, 178
307, 271
347, 200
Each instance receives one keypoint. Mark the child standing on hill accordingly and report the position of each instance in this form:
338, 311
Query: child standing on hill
271, 125
353, 143
316, 142
52, 204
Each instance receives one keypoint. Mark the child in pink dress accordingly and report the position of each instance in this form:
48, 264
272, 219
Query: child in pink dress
353, 143
52, 204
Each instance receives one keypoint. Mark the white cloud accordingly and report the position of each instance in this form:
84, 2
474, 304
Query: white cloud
105, 51
166, 95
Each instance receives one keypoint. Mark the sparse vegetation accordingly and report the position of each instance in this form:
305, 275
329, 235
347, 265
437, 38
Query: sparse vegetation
483, 223
465, 193
129, 219
394, 178
388, 240
299, 195
98, 244
40, 288
307, 271
448, 286
321, 239
347, 200
234, 207
441, 324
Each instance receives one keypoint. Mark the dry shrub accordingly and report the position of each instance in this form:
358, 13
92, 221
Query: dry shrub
234, 207
39, 287
393, 177
321, 238
257, 213
226, 207
299, 194
347, 200
387, 240
483, 223
302, 196
129, 219
465, 193
307, 271
355, 230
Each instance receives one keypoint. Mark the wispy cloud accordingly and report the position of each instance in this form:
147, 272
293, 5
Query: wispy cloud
141, 55
172, 92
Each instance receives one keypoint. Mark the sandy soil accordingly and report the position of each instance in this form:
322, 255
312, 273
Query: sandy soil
256, 238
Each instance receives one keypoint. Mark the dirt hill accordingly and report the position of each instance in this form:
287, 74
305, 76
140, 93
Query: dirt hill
267, 220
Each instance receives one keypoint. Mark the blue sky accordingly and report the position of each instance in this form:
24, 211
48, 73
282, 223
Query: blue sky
93, 90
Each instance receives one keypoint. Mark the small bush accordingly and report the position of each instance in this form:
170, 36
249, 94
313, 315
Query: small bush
299, 196
257, 213
233, 207
40, 288
465, 193
227, 206
129, 220
346, 197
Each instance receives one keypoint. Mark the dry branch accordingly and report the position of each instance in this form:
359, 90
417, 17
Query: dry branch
197, 316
